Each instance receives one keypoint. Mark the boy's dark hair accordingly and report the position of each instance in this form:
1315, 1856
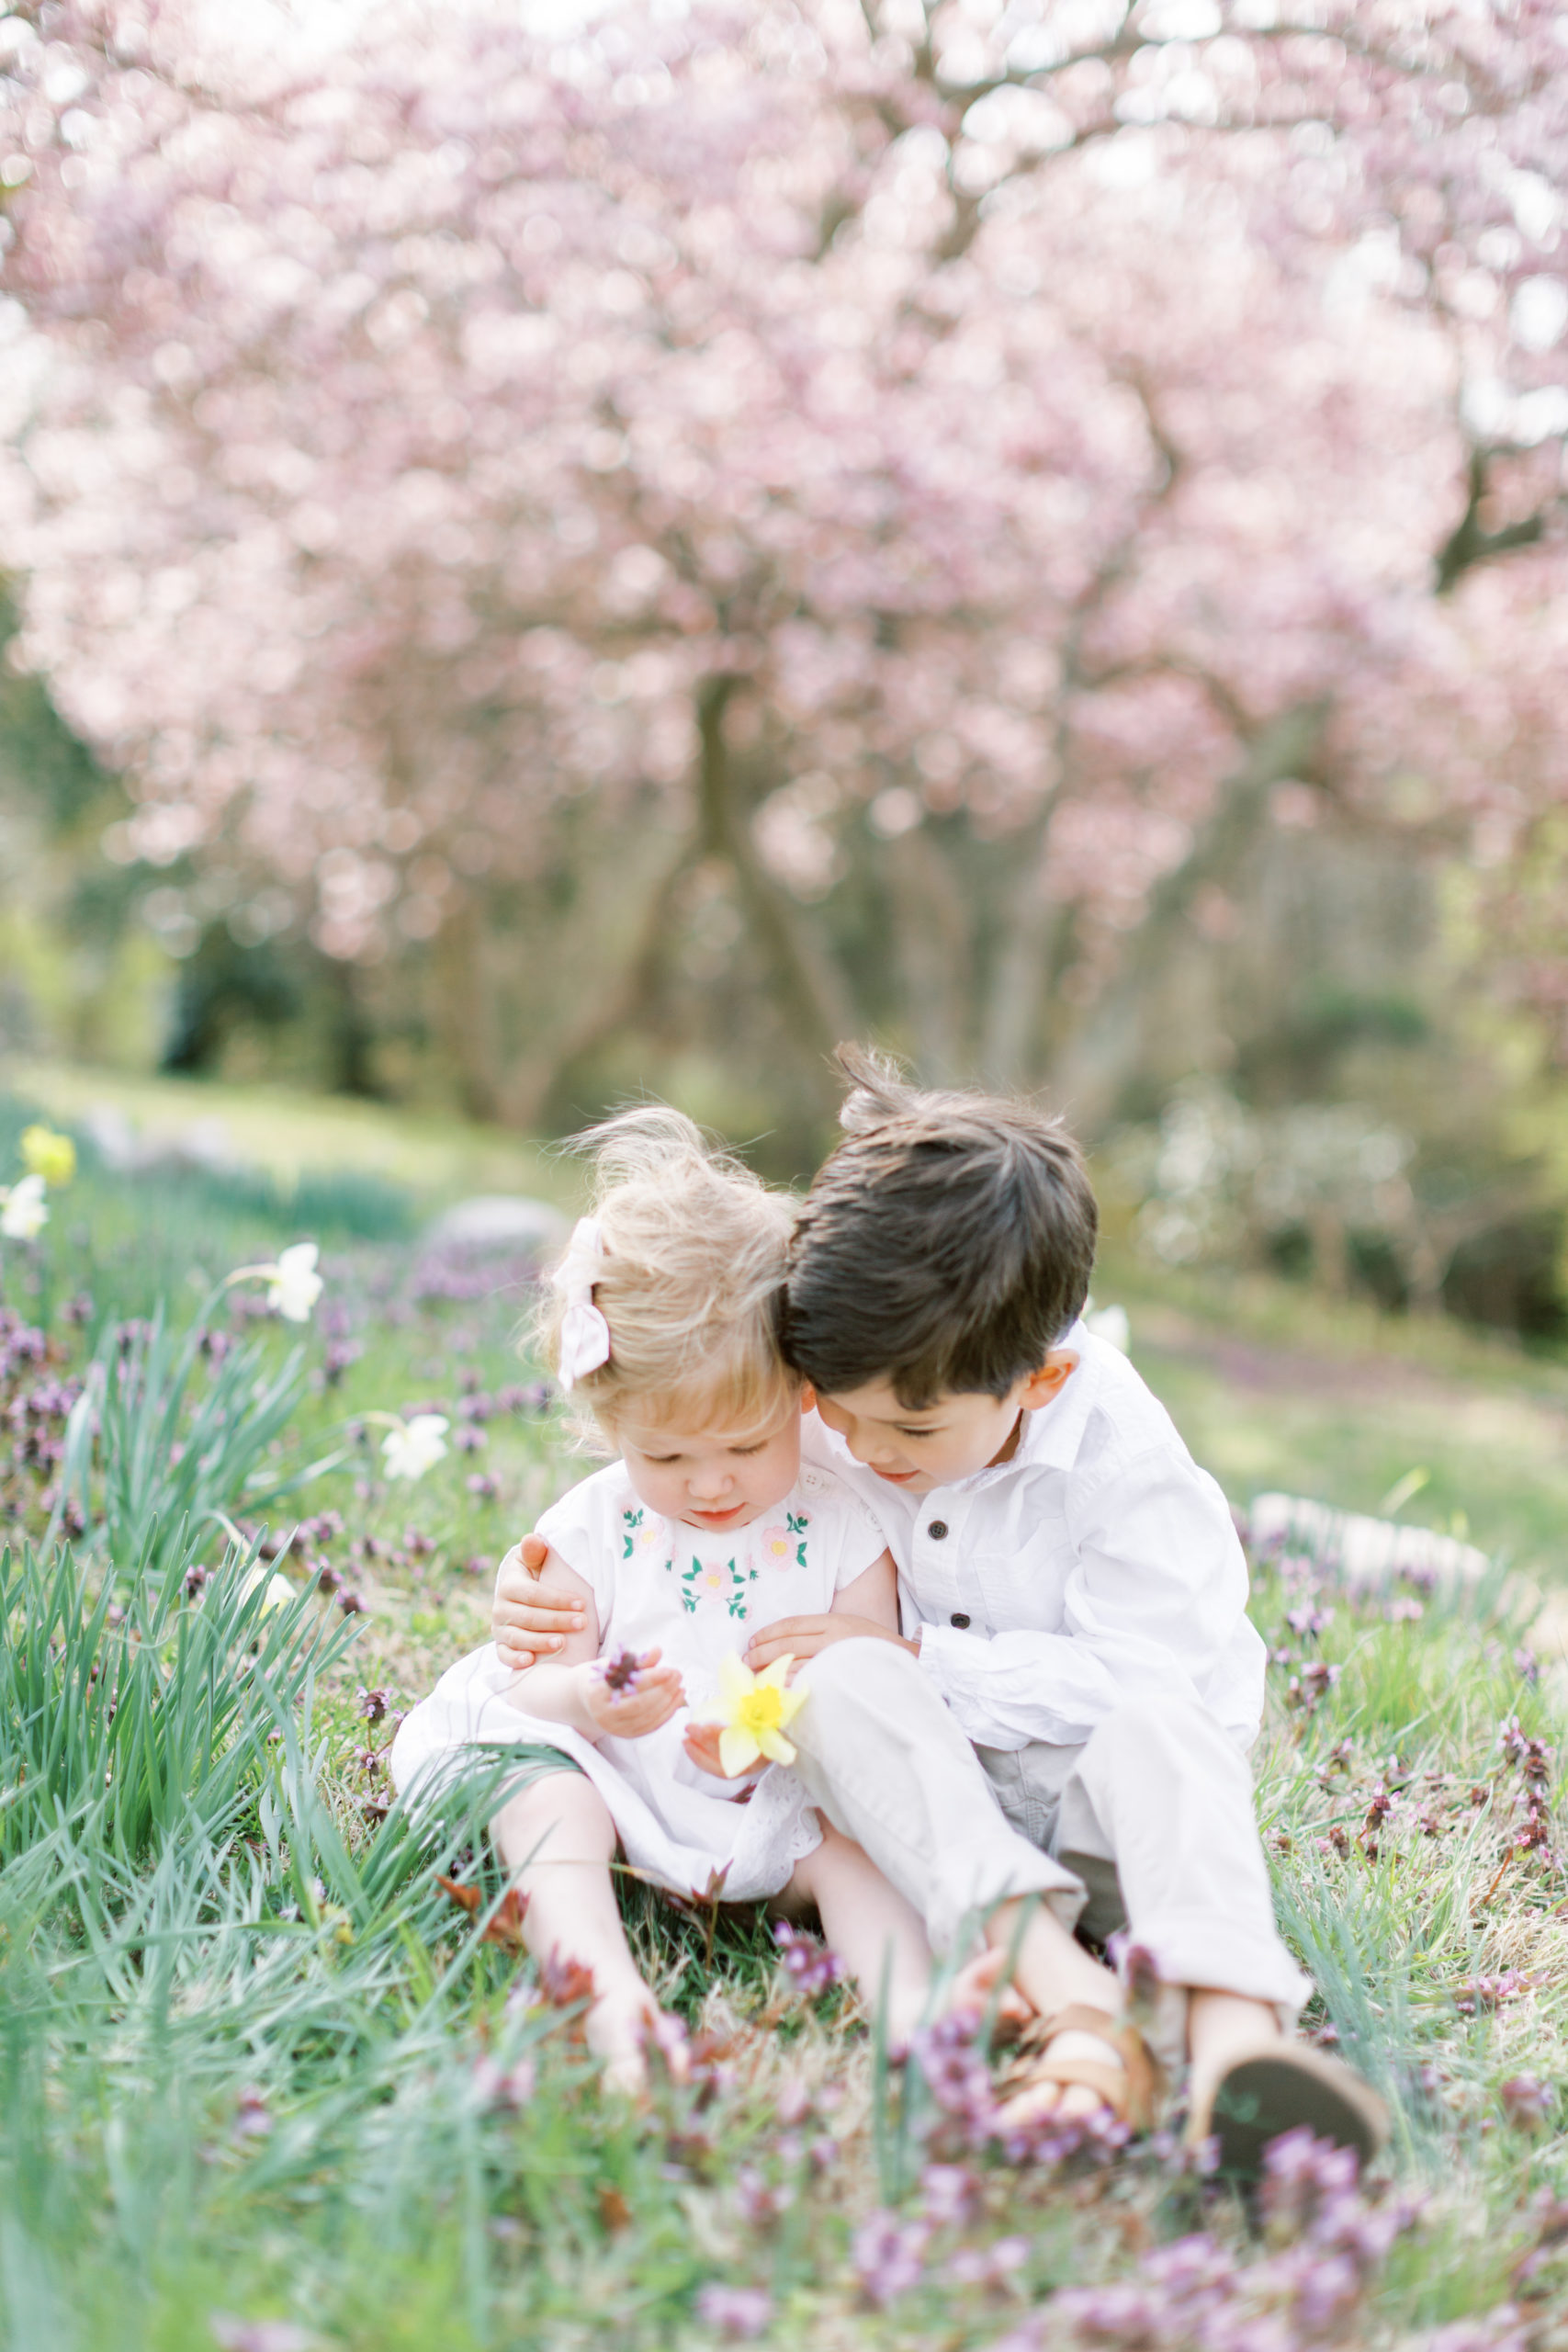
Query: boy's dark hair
945, 1246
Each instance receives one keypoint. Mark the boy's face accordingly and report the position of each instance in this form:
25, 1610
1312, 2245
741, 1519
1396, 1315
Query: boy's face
942, 1442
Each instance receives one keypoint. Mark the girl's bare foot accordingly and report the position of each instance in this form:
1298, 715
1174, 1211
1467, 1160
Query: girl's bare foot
617, 2026
974, 1985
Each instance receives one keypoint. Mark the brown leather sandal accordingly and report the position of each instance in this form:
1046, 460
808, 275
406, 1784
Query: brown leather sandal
1131, 2090
1278, 2087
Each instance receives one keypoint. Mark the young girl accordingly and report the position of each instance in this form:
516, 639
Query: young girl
661, 1320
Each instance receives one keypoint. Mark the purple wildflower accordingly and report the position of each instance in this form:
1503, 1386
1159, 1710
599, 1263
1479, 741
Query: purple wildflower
737, 2314
505, 2089
1300, 2174
253, 2116
809, 1965
988, 2266
760, 2201
1528, 2102
948, 2194
1503, 2330
889, 2256
257, 2335
793, 2102
1478, 1992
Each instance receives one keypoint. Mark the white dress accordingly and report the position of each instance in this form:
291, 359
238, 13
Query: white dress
696, 1594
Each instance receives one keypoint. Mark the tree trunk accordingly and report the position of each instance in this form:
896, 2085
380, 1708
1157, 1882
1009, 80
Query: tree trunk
934, 953
603, 1004
1015, 1003
818, 1006
1091, 1074
465, 1008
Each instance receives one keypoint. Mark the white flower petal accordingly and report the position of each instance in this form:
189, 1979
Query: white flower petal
295, 1285
26, 1212
414, 1447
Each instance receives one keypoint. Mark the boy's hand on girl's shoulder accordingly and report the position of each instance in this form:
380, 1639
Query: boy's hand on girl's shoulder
530, 1619
801, 1638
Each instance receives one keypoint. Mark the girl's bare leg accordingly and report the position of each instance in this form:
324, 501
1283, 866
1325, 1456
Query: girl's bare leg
559, 1836
880, 1938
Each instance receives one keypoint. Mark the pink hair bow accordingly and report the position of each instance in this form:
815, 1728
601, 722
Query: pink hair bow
584, 1334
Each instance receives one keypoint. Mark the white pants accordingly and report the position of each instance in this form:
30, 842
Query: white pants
1147, 1823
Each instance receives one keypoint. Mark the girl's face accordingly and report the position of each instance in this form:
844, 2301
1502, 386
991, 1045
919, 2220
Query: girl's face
713, 1479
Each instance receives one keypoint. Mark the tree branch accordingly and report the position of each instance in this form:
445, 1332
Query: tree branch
1469, 544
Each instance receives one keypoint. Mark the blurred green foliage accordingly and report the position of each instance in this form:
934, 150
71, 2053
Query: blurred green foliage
79, 974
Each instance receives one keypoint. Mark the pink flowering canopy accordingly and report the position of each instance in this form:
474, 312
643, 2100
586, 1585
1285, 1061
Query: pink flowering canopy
981, 454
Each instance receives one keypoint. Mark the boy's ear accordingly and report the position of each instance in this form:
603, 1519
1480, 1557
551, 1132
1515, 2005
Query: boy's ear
807, 1398
1048, 1382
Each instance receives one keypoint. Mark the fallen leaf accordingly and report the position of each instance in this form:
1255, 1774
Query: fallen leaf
506, 1926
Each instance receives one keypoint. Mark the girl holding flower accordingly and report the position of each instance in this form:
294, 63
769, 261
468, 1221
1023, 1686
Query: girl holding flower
645, 1734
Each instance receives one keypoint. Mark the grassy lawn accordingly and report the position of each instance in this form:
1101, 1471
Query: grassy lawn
266, 2085
1272, 1389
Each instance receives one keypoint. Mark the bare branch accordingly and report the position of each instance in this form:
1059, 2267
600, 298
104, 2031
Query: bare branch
1470, 544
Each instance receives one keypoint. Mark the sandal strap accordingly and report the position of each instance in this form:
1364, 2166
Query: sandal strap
1131, 2090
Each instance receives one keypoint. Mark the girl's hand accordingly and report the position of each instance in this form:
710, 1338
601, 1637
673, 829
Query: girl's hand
642, 1707
701, 1743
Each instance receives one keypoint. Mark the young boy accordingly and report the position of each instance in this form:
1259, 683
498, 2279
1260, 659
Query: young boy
1075, 1648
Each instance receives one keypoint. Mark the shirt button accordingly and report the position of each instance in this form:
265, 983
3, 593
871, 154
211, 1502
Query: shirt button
937, 1528
958, 1618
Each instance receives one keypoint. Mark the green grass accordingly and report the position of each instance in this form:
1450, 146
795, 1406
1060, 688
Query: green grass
291, 1134
256, 2067
1274, 1389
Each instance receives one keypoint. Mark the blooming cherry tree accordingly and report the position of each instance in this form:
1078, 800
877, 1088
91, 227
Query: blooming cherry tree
896, 493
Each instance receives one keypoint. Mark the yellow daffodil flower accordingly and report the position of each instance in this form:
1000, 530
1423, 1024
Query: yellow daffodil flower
50, 1156
754, 1709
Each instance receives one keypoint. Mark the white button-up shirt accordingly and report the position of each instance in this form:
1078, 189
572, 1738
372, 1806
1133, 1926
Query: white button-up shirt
1099, 1562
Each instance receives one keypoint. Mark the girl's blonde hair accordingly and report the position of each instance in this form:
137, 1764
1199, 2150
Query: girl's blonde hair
692, 1285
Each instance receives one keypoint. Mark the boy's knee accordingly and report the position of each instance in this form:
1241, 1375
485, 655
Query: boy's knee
845, 1673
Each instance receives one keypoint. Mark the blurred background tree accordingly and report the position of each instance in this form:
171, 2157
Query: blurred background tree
1035, 531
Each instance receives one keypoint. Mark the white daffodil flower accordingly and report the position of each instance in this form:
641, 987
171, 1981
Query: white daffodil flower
296, 1285
24, 1212
279, 1592
293, 1285
410, 1448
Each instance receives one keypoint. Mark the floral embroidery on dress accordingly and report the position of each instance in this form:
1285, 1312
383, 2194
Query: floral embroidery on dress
785, 1546
716, 1577
638, 1534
